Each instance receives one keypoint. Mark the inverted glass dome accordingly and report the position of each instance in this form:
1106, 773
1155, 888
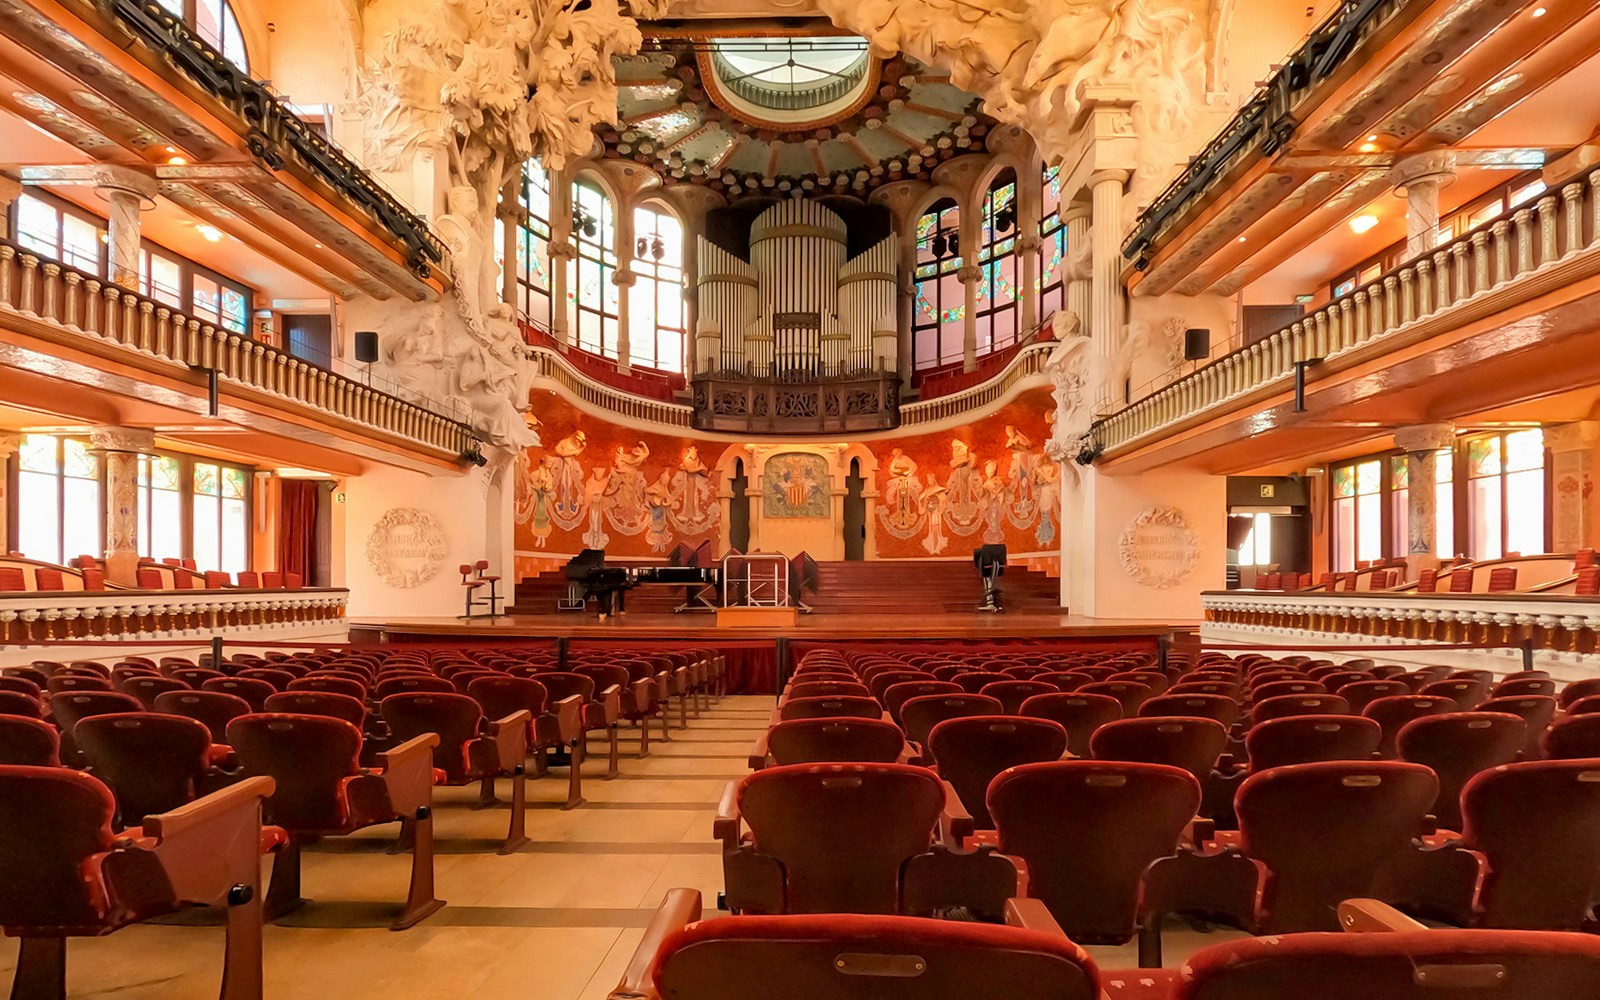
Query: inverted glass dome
783, 79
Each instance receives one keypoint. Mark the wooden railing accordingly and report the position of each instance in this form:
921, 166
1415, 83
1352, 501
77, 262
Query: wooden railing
1478, 274
44, 616
82, 305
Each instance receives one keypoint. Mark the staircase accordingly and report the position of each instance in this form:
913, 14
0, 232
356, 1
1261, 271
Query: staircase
883, 586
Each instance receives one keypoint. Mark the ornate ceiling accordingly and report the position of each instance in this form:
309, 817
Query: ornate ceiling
823, 116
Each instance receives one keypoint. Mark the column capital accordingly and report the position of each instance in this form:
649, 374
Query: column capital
1580, 435
1433, 167
969, 274
10, 441
1425, 437
1099, 177
622, 277
110, 178
137, 440
1077, 211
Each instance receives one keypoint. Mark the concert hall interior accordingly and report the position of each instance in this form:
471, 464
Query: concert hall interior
800, 499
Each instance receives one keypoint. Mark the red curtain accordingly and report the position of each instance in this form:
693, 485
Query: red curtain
297, 527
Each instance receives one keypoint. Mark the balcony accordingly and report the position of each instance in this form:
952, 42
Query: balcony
68, 308
1492, 284
803, 403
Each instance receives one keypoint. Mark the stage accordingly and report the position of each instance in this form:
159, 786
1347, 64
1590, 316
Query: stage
758, 657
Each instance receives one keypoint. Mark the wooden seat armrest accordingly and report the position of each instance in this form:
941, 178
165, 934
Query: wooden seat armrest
908, 753
1366, 916
726, 826
955, 823
1033, 915
569, 719
214, 843
758, 753
510, 736
663, 685
776, 716
1199, 831
611, 704
408, 774
679, 909
643, 693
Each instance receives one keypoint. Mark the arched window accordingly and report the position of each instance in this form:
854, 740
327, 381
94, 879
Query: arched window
531, 244
939, 311
997, 311
655, 306
1052, 245
590, 290
214, 21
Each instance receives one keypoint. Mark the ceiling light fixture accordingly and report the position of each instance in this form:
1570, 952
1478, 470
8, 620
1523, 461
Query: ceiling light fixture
1538, 12
1363, 223
177, 161
1243, 238
1369, 147
1373, 137
210, 232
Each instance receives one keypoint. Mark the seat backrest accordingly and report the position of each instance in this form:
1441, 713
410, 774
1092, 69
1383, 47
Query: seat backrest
850, 706
68, 707
151, 762
309, 757
454, 717
564, 684
147, 688
835, 741
896, 695
253, 690
1579, 689
411, 684
1468, 693
1087, 830
850, 957
972, 750
1394, 712
1536, 822
327, 704
1131, 694
499, 696
1513, 687
1328, 832
879, 681
1457, 745
1079, 714
1194, 705
826, 688
1284, 705
1574, 737
1012, 693
279, 679
1306, 739
63, 680
212, 709
18, 703
1277, 689
1360, 694
1404, 965
842, 831
1502, 579
919, 715
29, 742
322, 682
1190, 743
974, 681
52, 821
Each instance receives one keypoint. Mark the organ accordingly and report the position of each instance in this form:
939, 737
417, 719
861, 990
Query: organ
798, 308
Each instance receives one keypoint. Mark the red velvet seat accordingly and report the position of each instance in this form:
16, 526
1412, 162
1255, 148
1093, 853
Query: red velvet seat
469, 748
1458, 745
1131, 694
152, 763
880, 681
896, 695
64, 873
1514, 687
1307, 739
1283, 706
1012, 693
1575, 737
1278, 689
1190, 744
16, 703
253, 690
974, 681
1536, 713
325, 704
29, 742
1394, 712
1217, 686
831, 741
838, 838
844, 706
970, 751
1467, 692
336, 685
279, 678
1155, 680
147, 689
411, 684
1087, 831
600, 709
196, 676
641, 694
919, 715
1079, 714
552, 725
1579, 689
212, 709
62, 681
322, 790
1360, 694
1193, 705
850, 957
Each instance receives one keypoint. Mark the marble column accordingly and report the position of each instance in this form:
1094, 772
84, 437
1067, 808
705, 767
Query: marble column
1422, 445
1029, 198
1418, 179
1105, 269
128, 195
970, 277
1075, 293
562, 254
624, 279
509, 212
1572, 522
119, 449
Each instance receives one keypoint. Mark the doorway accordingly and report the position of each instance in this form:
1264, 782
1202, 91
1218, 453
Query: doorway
739, 508
855, 514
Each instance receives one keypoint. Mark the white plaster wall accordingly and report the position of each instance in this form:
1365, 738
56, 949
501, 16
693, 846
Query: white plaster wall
474, 516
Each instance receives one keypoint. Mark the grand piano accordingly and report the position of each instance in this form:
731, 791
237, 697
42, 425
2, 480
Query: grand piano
608, 585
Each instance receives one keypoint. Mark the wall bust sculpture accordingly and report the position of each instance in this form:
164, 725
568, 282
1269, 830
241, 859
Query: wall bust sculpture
406, 547
1159, 548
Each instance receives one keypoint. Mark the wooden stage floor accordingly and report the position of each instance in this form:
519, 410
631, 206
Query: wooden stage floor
702, 626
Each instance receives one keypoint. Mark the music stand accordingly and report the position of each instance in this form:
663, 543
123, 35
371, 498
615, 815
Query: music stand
991, 563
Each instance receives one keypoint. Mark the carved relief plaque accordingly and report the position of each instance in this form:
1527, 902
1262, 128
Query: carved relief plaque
406, 547
1159, 548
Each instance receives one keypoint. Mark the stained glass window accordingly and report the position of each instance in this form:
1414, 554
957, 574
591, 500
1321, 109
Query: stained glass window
938, 323
996, 302
655, 308
160, 508
58, 498
532, 245
1506, 498
221, 524
1357, 514
591, 293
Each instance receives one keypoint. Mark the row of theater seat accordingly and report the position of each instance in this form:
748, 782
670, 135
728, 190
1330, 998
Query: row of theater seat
328, 742
943, 799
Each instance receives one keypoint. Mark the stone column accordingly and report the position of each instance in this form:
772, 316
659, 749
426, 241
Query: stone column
1572, 523
1105, 274
970, 276
119, 449
509, 212
128, 193
624, 279
1422, 445
1418, 179
1075, 293
1030, 197
562, 253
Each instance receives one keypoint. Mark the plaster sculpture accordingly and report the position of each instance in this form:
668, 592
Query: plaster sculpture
1071, 368
1159, 548
406, 547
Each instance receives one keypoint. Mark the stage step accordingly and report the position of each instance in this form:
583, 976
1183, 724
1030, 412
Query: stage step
885, 586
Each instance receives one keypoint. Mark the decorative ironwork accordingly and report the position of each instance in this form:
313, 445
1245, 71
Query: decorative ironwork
737, 403
274, 129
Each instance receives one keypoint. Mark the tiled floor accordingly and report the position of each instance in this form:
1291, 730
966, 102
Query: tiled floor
557, 921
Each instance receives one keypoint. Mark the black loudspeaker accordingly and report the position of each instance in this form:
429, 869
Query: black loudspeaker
366, 346
1196, 345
